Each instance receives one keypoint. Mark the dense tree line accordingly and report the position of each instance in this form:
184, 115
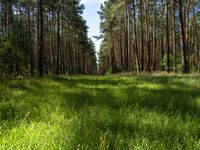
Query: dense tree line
150, 35
44, 37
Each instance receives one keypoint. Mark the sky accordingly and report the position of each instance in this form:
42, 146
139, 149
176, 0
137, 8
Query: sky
92, 18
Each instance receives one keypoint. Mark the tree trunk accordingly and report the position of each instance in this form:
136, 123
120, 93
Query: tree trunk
154, 35
187, 11
135, 35
41, 51
167, 38
183, 40
126, 36
30, 40
147, 37
58, 42
174, 35
142, 36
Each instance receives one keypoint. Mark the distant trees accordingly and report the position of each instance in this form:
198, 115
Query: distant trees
44, 37
150, 35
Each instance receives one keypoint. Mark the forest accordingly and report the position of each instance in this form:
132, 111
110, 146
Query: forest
150, 35
139, 91
45, 37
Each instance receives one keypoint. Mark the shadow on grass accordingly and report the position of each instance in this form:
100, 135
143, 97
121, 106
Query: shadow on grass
172, 97
119, 134
8, 112
17, 99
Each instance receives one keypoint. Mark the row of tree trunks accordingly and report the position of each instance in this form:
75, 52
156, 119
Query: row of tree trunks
156, 35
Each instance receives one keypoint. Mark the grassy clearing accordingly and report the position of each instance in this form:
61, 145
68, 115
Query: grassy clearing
101, 113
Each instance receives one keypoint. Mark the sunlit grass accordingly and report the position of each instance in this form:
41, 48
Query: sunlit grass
109, 112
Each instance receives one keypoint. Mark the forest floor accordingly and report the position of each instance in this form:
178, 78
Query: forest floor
106, 112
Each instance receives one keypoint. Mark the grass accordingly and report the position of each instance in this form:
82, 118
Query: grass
108, 112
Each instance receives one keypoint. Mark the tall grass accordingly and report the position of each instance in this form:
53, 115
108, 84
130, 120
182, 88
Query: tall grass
109, 112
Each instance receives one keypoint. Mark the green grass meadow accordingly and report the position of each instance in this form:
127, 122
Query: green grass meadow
100, 113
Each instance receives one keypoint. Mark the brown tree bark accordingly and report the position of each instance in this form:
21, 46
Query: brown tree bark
41, 51
183, 39
58, 41
147, 36
135, 35
167, 34
126, 36
174, 34
142, 35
